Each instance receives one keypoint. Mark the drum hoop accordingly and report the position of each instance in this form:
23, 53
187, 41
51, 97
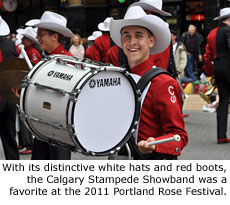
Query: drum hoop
133, 125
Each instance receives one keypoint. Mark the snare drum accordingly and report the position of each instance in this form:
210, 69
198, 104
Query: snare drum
84, 107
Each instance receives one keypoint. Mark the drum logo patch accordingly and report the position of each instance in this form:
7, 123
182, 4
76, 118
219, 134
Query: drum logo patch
104, 82
60, 75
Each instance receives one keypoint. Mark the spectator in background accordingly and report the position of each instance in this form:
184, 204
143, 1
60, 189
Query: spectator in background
191, 39
180, 55
76, 48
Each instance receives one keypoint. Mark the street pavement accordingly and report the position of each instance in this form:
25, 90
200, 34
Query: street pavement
202, 145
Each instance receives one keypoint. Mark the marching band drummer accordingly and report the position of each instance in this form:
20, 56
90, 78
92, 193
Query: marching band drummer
29, 41
51, 31
140, 35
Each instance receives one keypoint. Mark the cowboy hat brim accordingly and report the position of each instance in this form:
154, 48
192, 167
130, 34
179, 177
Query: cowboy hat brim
221, 17
91, 38
30, 37
157, 26
4, 28
150, 7
101, 27
51, 26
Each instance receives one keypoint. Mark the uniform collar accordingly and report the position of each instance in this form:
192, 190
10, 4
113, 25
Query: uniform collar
59, 50
143, 67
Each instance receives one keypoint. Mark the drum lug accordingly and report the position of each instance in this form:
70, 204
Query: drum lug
125, 72
133, 131
74, 94
26, 81
136, 123
139, 95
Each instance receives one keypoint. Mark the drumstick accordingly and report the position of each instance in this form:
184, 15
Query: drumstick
21, 47
175, 138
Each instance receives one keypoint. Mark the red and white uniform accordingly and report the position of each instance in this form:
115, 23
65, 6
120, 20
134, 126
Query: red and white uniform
31, 52
161, 115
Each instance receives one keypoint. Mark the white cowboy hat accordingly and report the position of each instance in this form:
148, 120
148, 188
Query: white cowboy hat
29, 33
135, 16
104, 26
152, 5
4, 28
224, 13
95, 35
52, 21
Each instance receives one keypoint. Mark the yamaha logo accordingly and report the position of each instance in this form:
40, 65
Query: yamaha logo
92, 83
50, 73
60, 75
104, 82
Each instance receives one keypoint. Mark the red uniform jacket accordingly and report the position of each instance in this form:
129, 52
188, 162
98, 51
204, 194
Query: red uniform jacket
112, 56
210, 52
33, 54
102, 45
161, 115
92, 53
160, 60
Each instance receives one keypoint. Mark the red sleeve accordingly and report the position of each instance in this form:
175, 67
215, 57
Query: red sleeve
92, 53
102, 45
166, 100
161, 60
112, 56
208, 67
18, 50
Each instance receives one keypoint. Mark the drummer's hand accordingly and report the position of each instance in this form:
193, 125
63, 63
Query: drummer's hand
16, 92
144, 148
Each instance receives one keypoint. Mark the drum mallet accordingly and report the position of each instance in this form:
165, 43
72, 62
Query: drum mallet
175, 138
21, 48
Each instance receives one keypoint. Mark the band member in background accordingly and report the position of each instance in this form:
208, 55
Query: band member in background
103, 42
7, 109
140, 35
91, 51
51, 31
217, 51
29, 41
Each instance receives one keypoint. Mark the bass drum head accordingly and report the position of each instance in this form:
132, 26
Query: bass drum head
104, 113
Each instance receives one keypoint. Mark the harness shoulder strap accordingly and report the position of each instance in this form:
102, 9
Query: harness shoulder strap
148, 76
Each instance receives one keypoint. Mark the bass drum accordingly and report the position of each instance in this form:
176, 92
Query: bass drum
83, 107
